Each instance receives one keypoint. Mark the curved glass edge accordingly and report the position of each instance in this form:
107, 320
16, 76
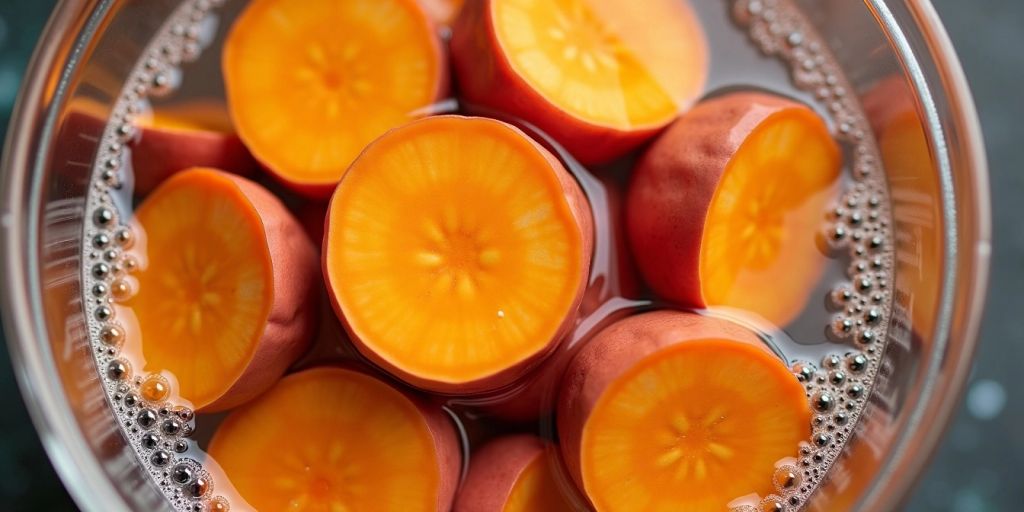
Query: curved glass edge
57, 57
949, 115
966, 271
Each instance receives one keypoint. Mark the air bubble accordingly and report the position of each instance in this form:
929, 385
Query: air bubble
112, 335
866, 336
160, 458
219, 504
161, 84
199, 487
131, 400
786, 478
804, 371
126, 132
100, 270
99, 289
118, 369
130, 263
842, 326
865, 284
182, 474
103, 217
171, 427
184, 413
836, 377
100, 241
120, 289
155, 389
109, 177
841, 295
150, 440
823, 402
772, 503
124, 237
146, 419
856, 363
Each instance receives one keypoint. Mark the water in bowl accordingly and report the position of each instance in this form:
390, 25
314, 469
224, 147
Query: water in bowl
833, 345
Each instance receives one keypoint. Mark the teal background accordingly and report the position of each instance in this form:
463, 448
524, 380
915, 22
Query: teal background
977, 468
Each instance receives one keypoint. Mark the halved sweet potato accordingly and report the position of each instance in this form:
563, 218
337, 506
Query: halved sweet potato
512, 474
311, 83
600, 76
916, 200
725, 207
456, 253
171, 138
338, 439
226, 287
676, 411
194, 134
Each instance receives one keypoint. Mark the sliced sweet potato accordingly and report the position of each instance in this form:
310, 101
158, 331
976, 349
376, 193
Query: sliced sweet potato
512, 474
916, 199
226, 287
311, 83
193, 134
725, 207
600, 76
338, 439
457, 251
676, 411
171, 138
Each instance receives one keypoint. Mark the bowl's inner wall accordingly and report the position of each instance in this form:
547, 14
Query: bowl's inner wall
859, 45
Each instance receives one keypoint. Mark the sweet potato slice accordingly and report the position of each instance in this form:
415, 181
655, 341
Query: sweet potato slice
226, 283
725, 207
512, 474
916, 198
172, 138
676, 411
600, 76
456, 252
338, 439
310, 83
193, 134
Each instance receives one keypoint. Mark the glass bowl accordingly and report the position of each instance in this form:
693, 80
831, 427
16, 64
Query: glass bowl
941, 226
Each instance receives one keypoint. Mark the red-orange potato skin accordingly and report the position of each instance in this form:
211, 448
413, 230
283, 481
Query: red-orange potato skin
673, 184
614, 351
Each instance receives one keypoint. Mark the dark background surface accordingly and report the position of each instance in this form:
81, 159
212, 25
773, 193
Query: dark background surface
977, 469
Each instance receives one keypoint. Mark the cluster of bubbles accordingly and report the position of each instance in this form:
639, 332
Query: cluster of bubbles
858, 224
158, 430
